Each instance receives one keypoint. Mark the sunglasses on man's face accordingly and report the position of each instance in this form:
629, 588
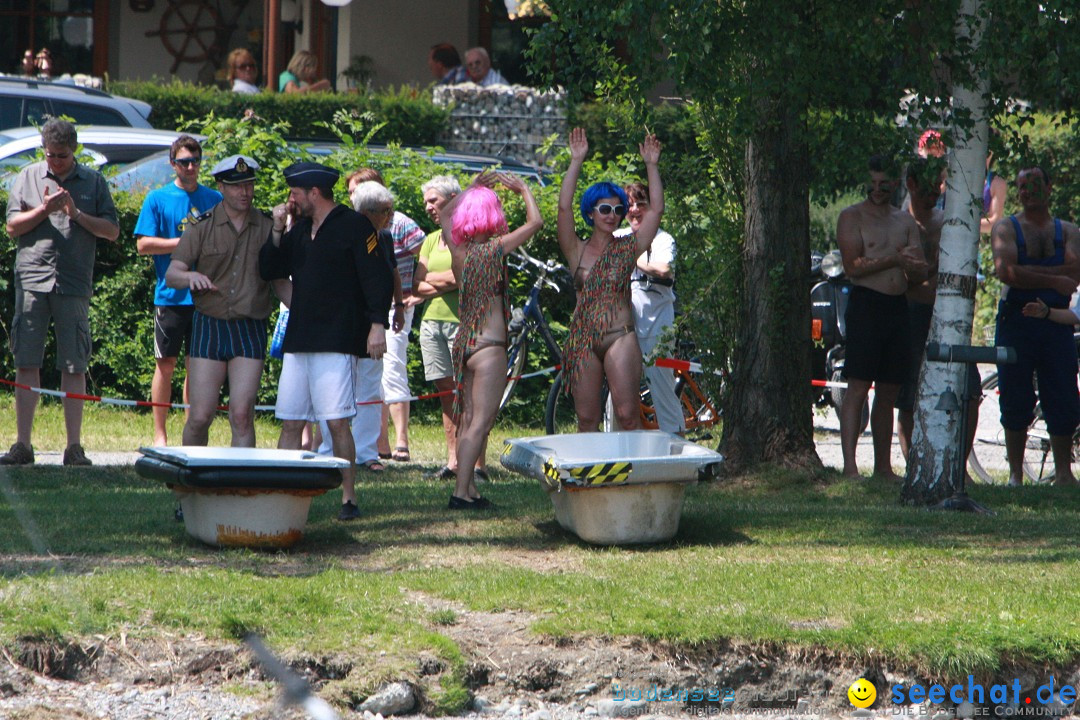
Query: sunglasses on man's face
605, 209
246, 66
187, 162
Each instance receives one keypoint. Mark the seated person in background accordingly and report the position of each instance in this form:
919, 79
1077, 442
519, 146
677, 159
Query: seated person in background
478, 66
243, 72
445, 65
301, 74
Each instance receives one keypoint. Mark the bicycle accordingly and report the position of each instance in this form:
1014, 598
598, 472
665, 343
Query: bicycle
700, 413
529, 320
988, 451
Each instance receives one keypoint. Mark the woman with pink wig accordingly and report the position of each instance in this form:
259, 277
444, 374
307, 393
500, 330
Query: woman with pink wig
480, 239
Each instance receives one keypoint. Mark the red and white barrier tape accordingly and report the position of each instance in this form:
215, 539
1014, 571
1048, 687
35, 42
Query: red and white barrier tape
683, 365
263, 408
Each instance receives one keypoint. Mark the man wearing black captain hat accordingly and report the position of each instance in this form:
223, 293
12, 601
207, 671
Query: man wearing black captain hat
232, 303
341, 293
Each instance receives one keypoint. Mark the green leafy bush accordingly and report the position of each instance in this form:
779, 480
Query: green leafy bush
409, 115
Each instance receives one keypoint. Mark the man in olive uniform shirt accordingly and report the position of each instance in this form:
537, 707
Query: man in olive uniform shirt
218, 260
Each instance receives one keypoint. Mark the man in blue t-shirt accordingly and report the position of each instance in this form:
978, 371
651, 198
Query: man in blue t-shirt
165, 213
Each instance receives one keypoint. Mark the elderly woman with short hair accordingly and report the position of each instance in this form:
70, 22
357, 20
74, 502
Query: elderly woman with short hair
435, 283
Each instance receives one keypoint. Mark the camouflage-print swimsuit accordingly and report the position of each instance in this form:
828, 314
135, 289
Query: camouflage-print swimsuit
604, 293
483, 278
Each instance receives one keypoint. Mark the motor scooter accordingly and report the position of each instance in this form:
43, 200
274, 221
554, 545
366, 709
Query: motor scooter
829, 295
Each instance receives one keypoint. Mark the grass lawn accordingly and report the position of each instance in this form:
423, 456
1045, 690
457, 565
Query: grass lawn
838, 565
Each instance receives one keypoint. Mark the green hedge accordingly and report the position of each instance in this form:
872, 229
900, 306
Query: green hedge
410, 116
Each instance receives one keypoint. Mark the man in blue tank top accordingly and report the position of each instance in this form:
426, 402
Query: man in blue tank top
165, 213
1037, 257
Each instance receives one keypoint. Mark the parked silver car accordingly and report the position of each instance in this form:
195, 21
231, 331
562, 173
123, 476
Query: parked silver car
101, 147
28, 101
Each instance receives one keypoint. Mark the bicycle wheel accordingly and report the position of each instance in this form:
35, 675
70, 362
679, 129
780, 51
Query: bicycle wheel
1038, 455
648, 414
699, 411
559, 414
987, 461
518, 357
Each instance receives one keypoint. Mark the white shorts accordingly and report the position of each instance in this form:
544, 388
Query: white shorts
316, 386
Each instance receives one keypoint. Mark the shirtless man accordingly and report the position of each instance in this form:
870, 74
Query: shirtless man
882, 257
924, 189
1037, 258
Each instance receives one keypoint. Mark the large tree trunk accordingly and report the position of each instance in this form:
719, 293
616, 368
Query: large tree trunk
937, 460
768, 407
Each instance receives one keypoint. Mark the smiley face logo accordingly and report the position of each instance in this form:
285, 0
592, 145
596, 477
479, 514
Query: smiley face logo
862, 693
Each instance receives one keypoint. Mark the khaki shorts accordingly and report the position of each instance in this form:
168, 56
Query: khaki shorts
436, 347
30, 329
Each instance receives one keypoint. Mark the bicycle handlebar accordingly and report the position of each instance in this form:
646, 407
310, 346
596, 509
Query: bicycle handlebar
546, 265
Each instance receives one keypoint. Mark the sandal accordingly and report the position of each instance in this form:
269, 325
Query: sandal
401, 454
373, 466
385, 456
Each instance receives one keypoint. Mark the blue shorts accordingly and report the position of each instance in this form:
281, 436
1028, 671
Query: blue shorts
1044, 349
223, 340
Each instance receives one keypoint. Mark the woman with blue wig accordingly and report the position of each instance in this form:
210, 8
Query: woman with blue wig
602, 343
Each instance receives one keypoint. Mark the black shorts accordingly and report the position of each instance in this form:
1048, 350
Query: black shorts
172, 329
878, 337
920, 316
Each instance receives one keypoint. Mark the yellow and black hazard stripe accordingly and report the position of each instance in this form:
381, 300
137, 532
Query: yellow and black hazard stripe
551, 471
507, 447
611, 473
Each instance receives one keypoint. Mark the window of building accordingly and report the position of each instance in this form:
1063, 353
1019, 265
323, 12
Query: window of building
502, 29
65, 28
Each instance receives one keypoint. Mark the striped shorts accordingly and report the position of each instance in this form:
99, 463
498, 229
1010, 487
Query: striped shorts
223, 340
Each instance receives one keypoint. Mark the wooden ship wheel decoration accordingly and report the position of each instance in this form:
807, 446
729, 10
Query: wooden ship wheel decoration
193, 31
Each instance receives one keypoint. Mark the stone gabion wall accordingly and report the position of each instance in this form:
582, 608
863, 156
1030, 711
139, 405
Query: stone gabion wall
506, 120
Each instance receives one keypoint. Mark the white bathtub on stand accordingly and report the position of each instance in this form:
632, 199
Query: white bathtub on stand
615, 488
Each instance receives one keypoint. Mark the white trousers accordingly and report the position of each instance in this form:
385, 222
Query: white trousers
652, 315
395, 372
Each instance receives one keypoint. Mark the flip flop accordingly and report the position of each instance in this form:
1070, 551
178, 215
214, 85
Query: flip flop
385, 456
373, 466
401, 454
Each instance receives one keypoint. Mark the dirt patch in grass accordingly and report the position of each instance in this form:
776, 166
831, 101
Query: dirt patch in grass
505, 662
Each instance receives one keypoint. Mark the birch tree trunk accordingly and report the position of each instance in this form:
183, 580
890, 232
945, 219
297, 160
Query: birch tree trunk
934, 468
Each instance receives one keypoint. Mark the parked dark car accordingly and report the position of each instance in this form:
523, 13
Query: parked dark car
26, 101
